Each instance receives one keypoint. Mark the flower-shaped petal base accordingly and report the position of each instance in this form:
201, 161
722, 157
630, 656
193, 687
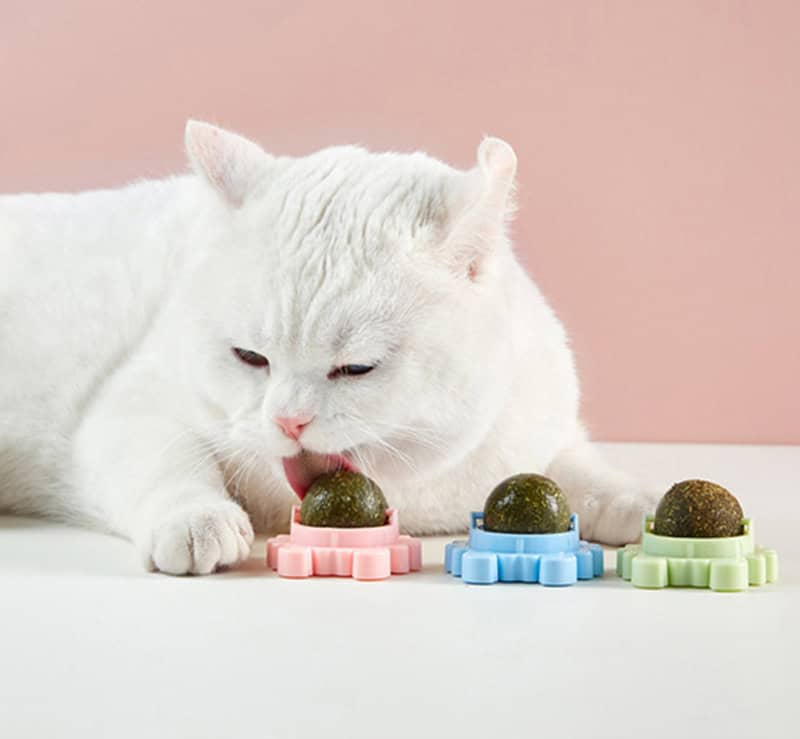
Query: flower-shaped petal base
372, 553
727, 563
550, 559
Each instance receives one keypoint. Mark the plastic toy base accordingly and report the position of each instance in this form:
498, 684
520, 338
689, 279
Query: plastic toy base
728, 563
372, 553
548, 559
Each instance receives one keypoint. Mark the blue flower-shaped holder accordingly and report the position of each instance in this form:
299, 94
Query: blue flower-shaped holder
549, 559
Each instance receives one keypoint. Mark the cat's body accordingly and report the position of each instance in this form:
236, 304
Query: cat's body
122, 404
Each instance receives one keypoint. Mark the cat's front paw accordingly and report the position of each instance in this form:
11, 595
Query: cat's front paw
199, 540
617, 519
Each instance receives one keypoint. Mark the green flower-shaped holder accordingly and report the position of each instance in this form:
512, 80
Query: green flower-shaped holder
725, 563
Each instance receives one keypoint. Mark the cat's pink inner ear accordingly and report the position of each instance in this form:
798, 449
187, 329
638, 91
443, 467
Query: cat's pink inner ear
487, 204
498, 162
231, 163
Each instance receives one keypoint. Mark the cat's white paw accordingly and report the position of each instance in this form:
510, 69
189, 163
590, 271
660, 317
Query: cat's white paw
616, 519
200, 539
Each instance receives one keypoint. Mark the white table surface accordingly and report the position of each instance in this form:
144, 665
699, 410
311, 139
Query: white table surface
92, 646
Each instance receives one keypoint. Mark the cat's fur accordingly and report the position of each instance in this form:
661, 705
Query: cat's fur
122, 404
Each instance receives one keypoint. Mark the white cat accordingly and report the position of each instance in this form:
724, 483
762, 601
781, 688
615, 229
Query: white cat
176, 348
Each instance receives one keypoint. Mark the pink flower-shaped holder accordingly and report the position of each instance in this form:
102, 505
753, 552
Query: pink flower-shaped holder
369, 553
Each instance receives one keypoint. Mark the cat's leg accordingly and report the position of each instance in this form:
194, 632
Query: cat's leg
152, 479
609, 502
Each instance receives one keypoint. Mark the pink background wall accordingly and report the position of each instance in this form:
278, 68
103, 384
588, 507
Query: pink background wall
658, 146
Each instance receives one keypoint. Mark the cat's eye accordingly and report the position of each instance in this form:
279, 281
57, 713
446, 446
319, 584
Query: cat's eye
350, 370
254, 359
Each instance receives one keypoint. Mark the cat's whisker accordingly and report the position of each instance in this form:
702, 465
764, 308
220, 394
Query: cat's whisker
200, 436
417, 437
209, 443
394, 427
241, 468
243, 473
366, 467
233, 470
409, 433
391, 449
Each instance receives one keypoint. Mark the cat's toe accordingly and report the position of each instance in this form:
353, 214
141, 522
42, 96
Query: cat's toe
201, 539
617, 520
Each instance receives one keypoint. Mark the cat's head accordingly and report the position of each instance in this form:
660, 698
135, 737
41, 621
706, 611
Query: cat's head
353, 309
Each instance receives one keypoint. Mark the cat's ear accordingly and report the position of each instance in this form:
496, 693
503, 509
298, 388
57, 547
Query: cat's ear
481, 207
231, 163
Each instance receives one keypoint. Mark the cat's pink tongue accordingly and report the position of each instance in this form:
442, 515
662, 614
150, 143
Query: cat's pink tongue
303, 469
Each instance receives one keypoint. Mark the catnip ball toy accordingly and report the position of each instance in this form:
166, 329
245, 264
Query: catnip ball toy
343, 499
526, 504
698, 509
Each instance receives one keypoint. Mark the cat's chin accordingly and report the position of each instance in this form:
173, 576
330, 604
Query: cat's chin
302, 469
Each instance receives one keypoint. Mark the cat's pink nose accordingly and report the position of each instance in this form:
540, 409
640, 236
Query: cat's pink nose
293, 426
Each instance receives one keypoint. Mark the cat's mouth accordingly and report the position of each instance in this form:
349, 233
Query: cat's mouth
302, 469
